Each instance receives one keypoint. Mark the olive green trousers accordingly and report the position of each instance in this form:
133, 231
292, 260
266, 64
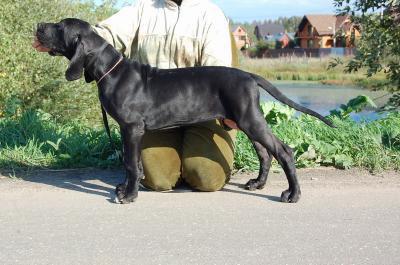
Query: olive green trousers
200, 155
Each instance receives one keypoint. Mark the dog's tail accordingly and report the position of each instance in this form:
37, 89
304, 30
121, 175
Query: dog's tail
273, 91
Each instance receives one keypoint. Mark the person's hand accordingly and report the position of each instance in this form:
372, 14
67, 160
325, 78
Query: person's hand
38, 46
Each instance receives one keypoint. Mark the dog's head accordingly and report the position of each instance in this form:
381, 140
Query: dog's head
70, 38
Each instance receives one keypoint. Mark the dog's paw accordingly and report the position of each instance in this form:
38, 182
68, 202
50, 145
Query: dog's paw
291, 196
123, 196
120, 190
128, 199
254, 184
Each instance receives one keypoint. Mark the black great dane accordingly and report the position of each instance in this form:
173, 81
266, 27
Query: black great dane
141, 98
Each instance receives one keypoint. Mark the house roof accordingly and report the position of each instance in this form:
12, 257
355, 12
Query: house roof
270, 29
291, 35
324, 24
279, 36
239, 29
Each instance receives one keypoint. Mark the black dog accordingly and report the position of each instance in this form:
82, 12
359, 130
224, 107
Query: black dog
141, 98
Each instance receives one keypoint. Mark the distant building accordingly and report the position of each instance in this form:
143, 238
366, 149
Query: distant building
282, 40
326, 31
241, 37
267, 30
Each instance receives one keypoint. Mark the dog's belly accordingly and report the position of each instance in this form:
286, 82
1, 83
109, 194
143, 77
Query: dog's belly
170, 119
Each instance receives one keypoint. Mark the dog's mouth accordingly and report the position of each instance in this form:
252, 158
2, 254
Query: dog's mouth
42, 44
55, 53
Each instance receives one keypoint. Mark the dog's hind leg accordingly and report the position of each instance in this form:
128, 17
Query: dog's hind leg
265, 159
255, 127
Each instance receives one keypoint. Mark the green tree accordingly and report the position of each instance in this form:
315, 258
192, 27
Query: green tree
379, 45
290, 24
29, 79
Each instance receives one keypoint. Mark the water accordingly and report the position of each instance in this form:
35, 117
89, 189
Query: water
323, 98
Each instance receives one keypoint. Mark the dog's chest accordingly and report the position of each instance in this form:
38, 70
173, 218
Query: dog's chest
119, 105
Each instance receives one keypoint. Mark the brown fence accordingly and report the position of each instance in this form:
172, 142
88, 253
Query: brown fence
312, 53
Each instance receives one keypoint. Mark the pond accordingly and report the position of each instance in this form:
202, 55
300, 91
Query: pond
323, 98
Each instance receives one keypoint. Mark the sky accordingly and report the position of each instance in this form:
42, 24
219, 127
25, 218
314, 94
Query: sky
250, 10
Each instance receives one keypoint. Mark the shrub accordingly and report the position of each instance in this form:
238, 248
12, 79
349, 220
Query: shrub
29, 79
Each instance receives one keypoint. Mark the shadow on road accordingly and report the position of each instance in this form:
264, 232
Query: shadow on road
103, 182
96, 182
243, 191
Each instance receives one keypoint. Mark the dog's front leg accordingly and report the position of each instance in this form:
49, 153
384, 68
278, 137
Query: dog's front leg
131, 138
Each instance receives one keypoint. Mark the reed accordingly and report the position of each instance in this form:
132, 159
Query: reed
309, 69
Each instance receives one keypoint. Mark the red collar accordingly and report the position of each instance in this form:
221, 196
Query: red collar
112, 68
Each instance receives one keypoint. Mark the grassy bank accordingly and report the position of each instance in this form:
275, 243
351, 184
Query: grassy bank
309, 69
37, 140
374, 146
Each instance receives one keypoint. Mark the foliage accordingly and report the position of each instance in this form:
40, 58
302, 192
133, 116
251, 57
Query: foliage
35, 139
290, 23
379, 46
372, 145
356, 105
29, 79
261, 46
276, 113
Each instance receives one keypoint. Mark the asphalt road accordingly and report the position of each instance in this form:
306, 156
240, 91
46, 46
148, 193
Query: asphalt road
344, 217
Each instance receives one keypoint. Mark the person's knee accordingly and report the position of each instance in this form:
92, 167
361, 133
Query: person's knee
159, 183
162, 168
204, 175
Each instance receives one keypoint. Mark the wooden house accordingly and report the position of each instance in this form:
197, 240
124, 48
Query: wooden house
241, 37
326, 31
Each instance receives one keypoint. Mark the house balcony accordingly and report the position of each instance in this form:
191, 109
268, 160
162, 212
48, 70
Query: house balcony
306, 35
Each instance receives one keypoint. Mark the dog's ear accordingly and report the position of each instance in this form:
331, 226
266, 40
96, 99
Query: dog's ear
88, 77
77, 62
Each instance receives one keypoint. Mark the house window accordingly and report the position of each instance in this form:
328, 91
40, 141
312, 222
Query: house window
242, 38
310, 43
310, 30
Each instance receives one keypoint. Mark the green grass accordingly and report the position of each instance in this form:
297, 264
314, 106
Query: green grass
309, 69
374, 145
37, 140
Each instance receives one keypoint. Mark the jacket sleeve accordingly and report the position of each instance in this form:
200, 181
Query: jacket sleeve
217, 50
120, 29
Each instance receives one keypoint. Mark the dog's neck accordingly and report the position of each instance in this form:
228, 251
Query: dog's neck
103, 60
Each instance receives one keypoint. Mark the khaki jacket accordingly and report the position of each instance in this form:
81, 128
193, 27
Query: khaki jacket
163, 34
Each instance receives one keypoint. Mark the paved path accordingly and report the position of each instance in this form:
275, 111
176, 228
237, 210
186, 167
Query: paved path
344, 217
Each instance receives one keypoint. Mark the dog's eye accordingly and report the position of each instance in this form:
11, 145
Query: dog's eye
58, 27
